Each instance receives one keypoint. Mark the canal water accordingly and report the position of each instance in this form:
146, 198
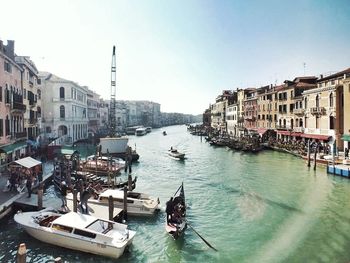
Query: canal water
266, 207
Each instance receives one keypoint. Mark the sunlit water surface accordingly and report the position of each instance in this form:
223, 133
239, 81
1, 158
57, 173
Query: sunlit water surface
267, 207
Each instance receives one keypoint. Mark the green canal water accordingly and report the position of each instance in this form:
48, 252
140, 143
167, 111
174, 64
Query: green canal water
267, 207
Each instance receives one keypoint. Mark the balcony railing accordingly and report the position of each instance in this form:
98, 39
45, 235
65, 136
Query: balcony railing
283, 127
19, 135
299, 112
318, 110
298, 129
16, 106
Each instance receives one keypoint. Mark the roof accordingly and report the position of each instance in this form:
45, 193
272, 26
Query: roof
335, 75
28, 162
13, 147
115, 193
75, 220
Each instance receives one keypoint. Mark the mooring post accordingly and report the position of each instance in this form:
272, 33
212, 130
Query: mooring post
110, 207
40, 196
21, 253
125, 203
315, 158
129, 182
308, 154
75, 200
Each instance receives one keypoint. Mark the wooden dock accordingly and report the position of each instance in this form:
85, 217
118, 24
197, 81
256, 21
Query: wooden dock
30, 204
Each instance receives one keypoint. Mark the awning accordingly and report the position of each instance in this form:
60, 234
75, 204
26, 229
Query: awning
13, 147
316, 136
294, 134
261, 131
346, 137
28, 162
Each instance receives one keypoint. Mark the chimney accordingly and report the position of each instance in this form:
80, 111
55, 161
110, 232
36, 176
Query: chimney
1, 45
10, 49
321, 76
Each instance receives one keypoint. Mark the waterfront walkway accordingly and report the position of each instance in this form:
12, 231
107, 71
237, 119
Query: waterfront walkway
7, 198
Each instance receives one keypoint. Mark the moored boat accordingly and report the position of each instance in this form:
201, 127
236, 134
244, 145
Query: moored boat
138, 204
164, 133
77, 231
176, 224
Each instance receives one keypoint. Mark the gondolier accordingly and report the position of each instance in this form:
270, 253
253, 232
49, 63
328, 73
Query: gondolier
169, 210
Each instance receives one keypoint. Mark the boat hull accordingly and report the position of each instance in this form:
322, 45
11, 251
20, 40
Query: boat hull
75, 244
176, 230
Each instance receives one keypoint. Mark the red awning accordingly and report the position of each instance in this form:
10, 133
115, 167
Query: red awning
261, 131
284, 132
294, 134
316, 136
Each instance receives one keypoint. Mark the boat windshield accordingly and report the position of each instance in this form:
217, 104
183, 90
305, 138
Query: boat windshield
100, 226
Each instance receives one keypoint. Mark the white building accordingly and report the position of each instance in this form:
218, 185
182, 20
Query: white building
64, 108
231, 119
93, 105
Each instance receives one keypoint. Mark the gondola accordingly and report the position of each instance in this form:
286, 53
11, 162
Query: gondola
176, 224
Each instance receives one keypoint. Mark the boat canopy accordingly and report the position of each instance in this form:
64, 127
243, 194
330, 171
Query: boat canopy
28, 162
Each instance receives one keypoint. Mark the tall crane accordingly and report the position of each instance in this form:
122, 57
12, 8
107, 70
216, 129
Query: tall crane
111, 117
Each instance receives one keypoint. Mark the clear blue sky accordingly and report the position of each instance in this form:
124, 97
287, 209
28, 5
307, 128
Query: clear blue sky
181, 54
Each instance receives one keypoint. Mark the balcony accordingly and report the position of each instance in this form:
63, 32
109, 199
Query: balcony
299, 129
19, 135
33, 121
299, 112
283, 127
318, 111
18, 107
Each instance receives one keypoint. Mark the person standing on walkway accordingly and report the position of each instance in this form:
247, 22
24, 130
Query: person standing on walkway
128, 159
64, 189
29, 185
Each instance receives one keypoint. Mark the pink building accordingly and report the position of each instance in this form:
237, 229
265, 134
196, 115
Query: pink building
250, 109
12, 137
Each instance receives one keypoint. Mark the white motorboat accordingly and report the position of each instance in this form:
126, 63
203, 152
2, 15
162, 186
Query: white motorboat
176, 154
140, 131
77, 231
138, 204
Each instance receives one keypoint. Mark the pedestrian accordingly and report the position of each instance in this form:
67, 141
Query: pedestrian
29, 185
64, 189
346, 153
84, 200
169, 210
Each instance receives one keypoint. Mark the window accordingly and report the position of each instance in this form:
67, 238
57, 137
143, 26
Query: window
62, 112
7, 67
331, 122
84, 233
61, 92
317, 122
24, 94
62, 228
1, 128
305, 103
317, 101
0, 93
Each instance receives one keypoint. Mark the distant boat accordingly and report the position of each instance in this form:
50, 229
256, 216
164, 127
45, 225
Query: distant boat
177, 224
174, 153
164, 133
140, 131
77, 231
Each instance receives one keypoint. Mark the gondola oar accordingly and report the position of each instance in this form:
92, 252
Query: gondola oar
205, 241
